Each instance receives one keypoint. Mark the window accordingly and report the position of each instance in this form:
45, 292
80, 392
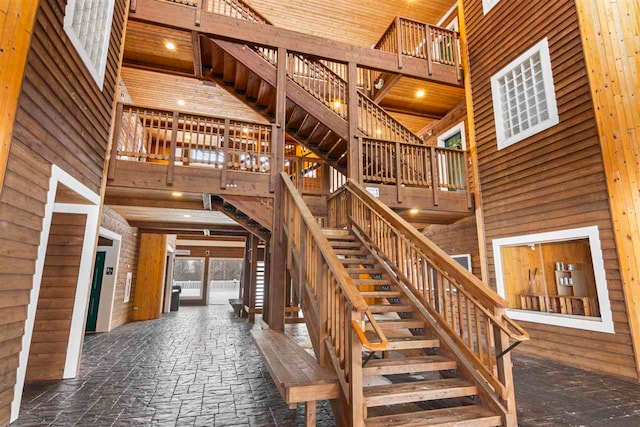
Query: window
88, 26
557, 278
524, 101
487, 5
463, 260
188, 273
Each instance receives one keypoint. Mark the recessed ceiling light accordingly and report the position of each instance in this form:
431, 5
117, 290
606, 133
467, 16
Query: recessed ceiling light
379, 131
181, 102
176, 194
245, 130
420, 94
337, 103
187, 216
170, 45
414, 211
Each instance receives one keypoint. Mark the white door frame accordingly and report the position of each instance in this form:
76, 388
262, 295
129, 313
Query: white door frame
109, 282
442, 164
79, 316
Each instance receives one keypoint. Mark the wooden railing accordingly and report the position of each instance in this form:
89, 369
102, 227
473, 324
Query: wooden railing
177, 138
413, 165
436, 45
464, 310
336, 328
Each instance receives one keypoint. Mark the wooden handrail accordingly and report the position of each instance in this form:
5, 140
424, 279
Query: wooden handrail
467, 314
344, 280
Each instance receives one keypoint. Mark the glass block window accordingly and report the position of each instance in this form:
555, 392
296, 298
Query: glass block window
487, 5
87, 23
524, 101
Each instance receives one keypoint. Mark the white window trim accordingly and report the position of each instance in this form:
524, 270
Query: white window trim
468, 257
547, 76
450, 132
487, 5
602, 324
97, 73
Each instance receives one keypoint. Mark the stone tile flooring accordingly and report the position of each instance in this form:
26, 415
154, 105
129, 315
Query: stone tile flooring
198, 367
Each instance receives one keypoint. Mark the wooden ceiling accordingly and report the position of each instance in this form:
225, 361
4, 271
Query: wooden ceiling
359, 22
158, 90
438, 99
183, 216
145, 44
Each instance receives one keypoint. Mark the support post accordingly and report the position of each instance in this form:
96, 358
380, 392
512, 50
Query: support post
399, 40
505, 370
227, 151
398, 172
277, 283
245, 276
172, 149
434, 175
352, 100
113, 158
253, 276
355, 379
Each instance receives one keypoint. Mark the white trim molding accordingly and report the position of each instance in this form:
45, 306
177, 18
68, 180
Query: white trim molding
92, 52
487, 5
521, 78
76, 333
602, 324
467, 257
109, 281
452, 131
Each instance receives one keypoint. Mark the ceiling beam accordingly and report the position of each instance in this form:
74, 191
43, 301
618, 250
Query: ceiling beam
411, 113
173, 15
188, 226
153, 203
390, 81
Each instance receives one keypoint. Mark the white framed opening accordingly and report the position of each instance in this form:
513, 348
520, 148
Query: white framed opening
454, 137
188, 273
601, 323
524, 97
109, 279
88, 26
464, 260
487, 5
76, 332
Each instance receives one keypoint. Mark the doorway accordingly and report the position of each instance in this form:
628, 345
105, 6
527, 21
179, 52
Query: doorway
96, 287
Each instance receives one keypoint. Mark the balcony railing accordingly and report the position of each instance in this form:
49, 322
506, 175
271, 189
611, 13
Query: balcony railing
416, 39
183, 139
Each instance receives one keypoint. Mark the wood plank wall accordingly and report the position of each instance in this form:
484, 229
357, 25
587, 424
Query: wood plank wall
128, 262
610, 33
16, 24
50, 338
147, 300
62, 118
22, 205
458, 238
553, 180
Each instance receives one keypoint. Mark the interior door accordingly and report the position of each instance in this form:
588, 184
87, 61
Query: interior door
96, 287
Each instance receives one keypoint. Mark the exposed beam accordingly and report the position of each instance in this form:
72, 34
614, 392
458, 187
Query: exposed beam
197, 54
130, 63
411, 112
181, 17
390, 81
152, 203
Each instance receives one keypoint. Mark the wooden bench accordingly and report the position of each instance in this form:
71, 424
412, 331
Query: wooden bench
236, 303
297, 375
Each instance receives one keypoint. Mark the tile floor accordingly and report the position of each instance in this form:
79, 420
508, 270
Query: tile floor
199, 367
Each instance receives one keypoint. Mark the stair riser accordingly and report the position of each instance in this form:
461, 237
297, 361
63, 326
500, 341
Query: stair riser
412, 345
420, 396
413, 369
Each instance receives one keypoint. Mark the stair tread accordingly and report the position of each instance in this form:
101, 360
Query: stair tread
460, 416
417, 391
365, 270
380, 294
411, 342
386, 308
400, 323
401, 365
369, 282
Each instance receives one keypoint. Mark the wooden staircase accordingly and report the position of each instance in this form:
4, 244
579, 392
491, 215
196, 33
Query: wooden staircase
414, 339
418, 377
317, 93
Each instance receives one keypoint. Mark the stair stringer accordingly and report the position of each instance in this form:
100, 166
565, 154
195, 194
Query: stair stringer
256, 208
295, 93
465, 369
260, 231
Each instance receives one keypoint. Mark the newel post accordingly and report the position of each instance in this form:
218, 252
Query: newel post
399, 40
226, 153
172, 149
353, 154
356, 395
322, 291
505, 369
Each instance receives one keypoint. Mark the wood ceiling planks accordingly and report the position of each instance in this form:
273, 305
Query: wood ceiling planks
145, 44
359, 22
157, 90
438, 99
137, 213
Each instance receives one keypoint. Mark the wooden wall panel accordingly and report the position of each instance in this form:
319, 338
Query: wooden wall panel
50, 337
147, 300
22, 205
62, 118
128, 262
16, 24
553, 180
457, 239
610, 33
